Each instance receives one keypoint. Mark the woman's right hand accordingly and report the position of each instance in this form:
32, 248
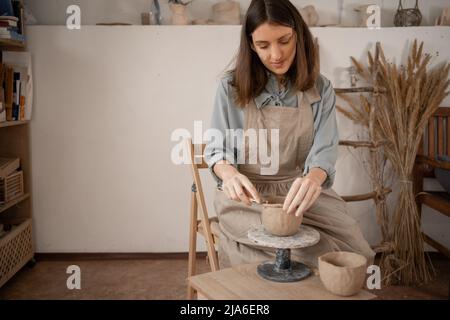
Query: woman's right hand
236, 186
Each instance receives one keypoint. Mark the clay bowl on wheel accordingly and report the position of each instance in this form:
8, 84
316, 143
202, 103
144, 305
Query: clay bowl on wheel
276, 221
343, 273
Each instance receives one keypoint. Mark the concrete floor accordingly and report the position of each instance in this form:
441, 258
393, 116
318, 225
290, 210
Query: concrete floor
156, 279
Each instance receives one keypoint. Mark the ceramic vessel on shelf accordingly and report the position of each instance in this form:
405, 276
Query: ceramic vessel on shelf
444, 18
310, 15
227, 13
408, 17
179, 12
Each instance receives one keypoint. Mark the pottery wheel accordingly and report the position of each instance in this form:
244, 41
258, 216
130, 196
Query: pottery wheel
283, 269
305, 237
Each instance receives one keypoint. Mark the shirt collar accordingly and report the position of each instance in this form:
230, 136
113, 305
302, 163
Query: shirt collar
271, 92
313, 94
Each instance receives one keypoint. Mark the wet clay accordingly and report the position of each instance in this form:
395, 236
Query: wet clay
277, 221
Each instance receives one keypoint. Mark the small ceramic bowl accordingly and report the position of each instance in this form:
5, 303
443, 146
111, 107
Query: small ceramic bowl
276, 221
343, 273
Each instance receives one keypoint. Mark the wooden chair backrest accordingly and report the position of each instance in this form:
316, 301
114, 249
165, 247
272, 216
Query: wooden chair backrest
198, 162
197, 155
436, 139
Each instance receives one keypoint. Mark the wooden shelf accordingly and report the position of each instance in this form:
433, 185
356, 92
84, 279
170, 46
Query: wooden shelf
11, 45
17, 246
14, 202
13, 123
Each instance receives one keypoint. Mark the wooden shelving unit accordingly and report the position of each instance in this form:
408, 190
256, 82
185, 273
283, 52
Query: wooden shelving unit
12, 123
11, 45
17, 245
13, 202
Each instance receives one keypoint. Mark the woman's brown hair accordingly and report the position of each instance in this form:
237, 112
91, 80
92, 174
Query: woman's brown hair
250, 74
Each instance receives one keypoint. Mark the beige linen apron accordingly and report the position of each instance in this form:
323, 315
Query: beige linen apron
328, 215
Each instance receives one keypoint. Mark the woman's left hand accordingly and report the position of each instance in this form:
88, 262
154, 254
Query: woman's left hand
302, 194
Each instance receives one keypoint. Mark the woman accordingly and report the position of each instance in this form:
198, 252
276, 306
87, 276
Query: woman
276, 85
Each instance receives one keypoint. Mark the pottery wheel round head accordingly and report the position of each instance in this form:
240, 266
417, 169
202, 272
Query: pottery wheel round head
305, 237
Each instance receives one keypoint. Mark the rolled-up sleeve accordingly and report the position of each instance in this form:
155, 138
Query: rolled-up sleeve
216, 148
324, 151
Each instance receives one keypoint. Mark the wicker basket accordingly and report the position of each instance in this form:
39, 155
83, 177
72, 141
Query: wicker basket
11, 187
16, 249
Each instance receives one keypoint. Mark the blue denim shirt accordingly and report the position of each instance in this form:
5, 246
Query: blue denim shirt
227, 115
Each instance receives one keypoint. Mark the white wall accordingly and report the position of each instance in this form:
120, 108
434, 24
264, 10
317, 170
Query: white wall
106, 102
330, 11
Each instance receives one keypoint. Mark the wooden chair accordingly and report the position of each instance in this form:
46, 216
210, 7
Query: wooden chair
205, 226
433, 144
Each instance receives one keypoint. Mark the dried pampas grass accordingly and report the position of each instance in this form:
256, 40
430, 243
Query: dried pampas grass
410, 97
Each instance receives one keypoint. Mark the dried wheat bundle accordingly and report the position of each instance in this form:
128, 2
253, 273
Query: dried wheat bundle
363, 114
358, 116
412, 95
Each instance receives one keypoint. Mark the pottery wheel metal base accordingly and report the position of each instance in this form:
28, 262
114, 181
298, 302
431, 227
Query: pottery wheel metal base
283, 269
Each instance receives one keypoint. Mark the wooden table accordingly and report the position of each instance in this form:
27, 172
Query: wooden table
243, 283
